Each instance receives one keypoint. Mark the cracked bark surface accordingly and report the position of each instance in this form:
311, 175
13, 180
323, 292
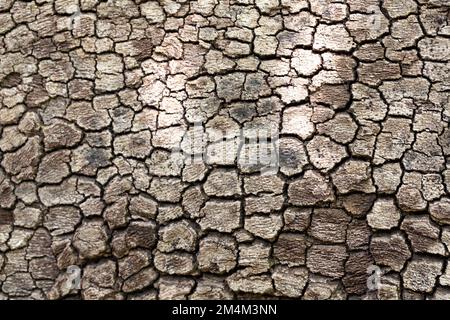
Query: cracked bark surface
95, 95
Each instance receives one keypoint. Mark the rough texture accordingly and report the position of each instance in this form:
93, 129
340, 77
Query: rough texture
128, 133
